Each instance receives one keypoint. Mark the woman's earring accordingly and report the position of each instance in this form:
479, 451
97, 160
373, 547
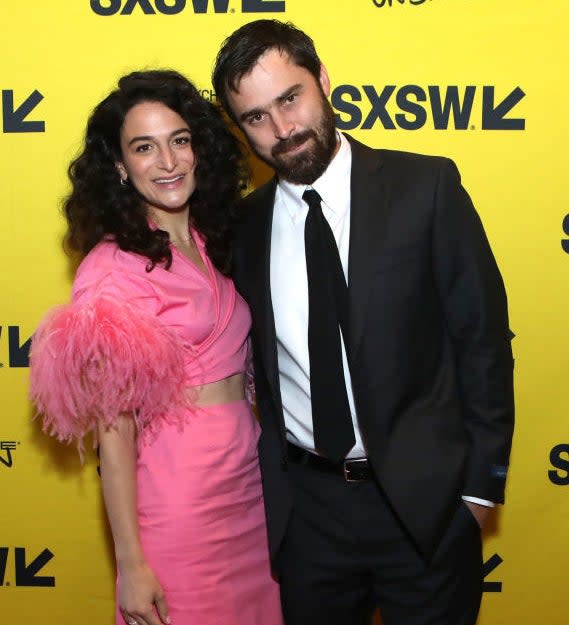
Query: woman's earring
123, 182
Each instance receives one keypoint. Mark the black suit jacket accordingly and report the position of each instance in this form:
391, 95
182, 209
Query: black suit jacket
429, 341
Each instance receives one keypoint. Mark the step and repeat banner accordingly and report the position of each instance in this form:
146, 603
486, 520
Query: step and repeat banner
481, 81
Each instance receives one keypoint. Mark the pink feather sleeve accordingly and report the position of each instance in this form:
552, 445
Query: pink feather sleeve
91, 361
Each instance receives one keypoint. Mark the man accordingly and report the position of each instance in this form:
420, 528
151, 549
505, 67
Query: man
386, 402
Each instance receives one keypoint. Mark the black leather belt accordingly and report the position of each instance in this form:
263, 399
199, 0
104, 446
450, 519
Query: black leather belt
356, 470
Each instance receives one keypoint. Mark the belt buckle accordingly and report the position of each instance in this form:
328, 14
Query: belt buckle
347, 470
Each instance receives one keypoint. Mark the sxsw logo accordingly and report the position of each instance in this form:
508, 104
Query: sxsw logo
411, 107
173, 7
18, 350
14, 116
489, 567
559, 459
565, 226
22, 569
6, 456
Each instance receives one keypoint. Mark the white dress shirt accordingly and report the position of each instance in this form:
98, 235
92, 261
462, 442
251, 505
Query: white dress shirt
289, 293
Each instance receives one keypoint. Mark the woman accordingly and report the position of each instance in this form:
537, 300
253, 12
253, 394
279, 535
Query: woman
151, 356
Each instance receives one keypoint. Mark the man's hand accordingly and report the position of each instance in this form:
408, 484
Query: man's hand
480, 513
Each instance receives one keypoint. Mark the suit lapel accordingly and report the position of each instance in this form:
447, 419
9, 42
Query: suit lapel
368, 210
259, 243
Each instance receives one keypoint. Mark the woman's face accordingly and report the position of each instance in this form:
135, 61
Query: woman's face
157, 156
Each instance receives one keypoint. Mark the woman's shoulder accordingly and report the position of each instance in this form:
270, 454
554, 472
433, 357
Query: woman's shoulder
106, 267
107, 256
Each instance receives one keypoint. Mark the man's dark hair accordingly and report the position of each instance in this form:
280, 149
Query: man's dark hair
241, 50
99, 207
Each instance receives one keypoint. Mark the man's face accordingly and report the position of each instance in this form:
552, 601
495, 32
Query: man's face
283, 111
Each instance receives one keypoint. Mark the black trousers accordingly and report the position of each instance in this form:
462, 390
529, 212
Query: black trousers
345, 553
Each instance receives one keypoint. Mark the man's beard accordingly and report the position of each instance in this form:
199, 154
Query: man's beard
308, 166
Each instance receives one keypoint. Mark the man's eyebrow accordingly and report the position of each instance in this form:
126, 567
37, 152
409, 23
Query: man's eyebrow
279, 99
288, 92
250, 113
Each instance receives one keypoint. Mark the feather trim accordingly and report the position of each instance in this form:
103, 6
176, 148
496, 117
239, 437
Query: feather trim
93, 361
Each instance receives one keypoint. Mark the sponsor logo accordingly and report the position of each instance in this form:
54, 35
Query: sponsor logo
14, 116
22, 569
411, 107
6, 455
390, 3
173, 7
488, 567
559, 458
18, 351
208, 94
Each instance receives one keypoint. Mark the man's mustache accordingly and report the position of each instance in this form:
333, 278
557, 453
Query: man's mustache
284, 145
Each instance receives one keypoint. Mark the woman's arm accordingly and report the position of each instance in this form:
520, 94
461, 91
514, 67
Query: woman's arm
140, 595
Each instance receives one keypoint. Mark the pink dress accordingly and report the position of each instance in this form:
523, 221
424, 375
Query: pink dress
142, 339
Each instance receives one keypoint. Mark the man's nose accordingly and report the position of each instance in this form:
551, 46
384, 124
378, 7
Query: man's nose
283, 127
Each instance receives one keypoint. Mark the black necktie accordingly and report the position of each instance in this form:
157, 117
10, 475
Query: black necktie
327, 312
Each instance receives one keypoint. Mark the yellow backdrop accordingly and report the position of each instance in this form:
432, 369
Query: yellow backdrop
483, 81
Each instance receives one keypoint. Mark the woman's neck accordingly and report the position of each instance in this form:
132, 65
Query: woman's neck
176, 224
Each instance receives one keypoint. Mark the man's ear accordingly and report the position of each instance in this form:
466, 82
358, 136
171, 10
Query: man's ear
324, 80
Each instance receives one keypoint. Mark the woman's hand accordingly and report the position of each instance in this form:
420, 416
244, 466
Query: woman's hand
141, 597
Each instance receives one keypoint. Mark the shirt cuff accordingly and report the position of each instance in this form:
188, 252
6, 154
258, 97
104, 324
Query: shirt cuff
482, 502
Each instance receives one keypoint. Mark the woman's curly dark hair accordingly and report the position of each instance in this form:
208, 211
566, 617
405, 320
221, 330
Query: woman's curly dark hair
100, 207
